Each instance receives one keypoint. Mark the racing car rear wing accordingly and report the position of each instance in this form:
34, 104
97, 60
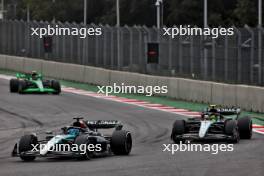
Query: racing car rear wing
224, 111
104, 124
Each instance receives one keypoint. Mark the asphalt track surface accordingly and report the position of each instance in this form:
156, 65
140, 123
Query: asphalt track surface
150, 129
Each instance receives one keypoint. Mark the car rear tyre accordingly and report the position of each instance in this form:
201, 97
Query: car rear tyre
121, 142
245, 127
80, 140
231, 129
56, 86
178, 129
25, 144
14, 85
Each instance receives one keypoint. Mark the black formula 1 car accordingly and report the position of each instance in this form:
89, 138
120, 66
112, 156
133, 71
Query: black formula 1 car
216, 123
81, 140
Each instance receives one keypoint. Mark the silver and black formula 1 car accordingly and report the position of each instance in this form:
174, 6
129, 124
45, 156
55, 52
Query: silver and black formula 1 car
80, 140
216, 123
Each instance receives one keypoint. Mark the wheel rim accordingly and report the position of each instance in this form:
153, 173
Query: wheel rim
236, 135
128, 142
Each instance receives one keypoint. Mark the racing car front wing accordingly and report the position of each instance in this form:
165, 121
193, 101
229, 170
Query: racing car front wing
195, 136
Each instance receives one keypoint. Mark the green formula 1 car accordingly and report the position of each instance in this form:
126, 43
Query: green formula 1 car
33, 83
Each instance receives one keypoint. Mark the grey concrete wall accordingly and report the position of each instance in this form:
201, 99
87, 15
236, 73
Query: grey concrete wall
32, 64
96, 76
246, 97
15, 63
51, 69
2, 61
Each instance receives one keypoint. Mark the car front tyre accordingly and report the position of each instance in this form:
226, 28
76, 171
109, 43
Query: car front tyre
13, 84
231, 129
80, 140
56, 86
25, 144
178, 128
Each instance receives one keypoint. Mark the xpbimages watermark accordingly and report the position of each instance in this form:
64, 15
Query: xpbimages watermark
65, 31
83, 148
190, 147
196, 31
124, 89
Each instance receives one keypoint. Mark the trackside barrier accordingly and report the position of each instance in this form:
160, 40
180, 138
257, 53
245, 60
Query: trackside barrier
96, 76
246, 97
51, 69
200, 91
32, 64
72, 72
2, 61
131, 79
15, 63
229, 97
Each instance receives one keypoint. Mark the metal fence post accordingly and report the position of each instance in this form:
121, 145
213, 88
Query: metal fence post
119, 64
252, 47
130, 45
260, 30
213, 58
239, 41
262, 56
121, 47
112, 48
170, 54
180, 55
205, 60
71, 41
85, 58
15, 36
226, 58
10, 30
97, 49
105, 45
147, 37
192, 54
139, 44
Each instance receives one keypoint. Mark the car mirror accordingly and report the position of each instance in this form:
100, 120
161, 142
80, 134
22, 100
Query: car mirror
49, 132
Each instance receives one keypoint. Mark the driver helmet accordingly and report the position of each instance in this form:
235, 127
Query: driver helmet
34, 75
213, 109
72, 131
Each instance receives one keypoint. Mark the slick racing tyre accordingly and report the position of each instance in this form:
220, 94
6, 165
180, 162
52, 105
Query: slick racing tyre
14, 85
22, 86
56, 86
80, 140
25, 144
231, 129
178, 129
245, 127
121, 142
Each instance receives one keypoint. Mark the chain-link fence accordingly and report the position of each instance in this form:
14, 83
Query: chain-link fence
233, 59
